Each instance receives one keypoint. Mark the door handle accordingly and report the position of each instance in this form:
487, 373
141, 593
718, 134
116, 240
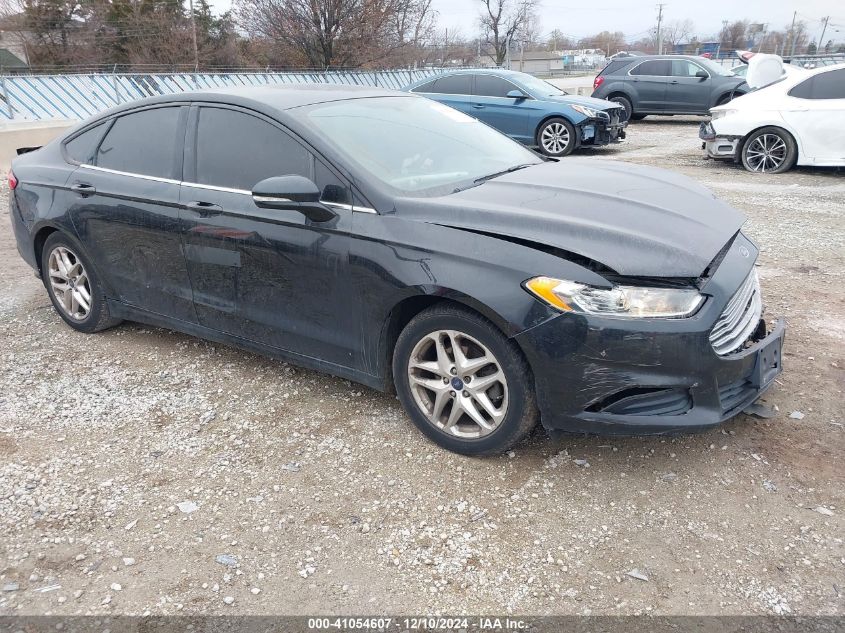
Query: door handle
83, 189
674, 81
478, 106
205, 209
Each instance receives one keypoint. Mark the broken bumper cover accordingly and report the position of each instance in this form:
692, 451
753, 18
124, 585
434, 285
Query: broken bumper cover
629, 376
624, 381
603, 131
717, 146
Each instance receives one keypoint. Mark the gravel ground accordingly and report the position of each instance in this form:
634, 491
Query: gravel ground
144, 471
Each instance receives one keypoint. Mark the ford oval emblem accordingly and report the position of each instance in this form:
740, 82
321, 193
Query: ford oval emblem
744, 251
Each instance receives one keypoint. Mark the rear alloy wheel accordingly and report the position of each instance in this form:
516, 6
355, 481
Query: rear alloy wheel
769, 150
73, 287
462, 383
557, 138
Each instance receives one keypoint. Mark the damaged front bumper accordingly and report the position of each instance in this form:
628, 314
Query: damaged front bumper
715, 145
603, 131
613, 376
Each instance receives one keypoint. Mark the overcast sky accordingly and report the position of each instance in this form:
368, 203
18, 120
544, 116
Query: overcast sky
636, 17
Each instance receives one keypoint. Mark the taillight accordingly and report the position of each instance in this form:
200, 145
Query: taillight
597, 82
13, 181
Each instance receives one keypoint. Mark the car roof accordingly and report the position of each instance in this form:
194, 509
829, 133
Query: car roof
641, 58
501, 72
276, 97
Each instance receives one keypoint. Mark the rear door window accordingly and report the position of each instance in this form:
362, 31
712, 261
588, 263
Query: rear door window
654, 68
142, 143
829, 85
237, 150
454, 85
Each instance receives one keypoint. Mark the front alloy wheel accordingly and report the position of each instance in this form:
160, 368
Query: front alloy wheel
557, 138
458, 384
462, 383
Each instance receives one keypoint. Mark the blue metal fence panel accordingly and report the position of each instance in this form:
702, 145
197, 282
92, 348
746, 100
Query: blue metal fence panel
39, 97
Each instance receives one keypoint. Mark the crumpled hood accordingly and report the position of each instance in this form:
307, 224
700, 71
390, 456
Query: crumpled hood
590, 102
638, 221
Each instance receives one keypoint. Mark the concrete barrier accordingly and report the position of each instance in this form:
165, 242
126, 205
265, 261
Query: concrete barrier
15, 135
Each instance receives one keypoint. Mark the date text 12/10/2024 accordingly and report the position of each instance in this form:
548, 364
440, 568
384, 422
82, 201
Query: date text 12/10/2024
453, 625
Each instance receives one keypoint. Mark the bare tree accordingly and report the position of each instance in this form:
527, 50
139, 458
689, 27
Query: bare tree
329, 33
500, 21
677, 32
734, 36
609, 42
558, 41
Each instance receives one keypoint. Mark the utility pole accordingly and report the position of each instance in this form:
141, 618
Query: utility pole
194, 37
821, 39
792, 35
660, 27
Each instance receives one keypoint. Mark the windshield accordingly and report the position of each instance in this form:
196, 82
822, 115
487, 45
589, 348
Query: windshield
538, 87
713, 67
414, 145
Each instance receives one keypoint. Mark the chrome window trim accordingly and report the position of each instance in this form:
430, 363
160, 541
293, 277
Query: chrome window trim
645, 61
127, 173
198, 185
171, 181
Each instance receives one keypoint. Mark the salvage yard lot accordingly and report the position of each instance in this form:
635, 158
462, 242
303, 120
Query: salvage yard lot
322, 498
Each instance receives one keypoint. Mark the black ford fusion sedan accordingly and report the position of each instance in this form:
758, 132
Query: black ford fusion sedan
393, 241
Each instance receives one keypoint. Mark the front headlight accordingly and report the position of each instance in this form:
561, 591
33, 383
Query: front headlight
619, 301
718, 114
585, 111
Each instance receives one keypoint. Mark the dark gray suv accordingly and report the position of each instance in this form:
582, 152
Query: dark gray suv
667, 84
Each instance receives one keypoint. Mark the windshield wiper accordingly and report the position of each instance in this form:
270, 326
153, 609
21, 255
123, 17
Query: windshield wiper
478, 181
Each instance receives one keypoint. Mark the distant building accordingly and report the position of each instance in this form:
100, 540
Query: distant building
537, 62
584, 58
13, 36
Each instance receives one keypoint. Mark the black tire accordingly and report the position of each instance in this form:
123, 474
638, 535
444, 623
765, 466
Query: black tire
728, 97
97, 317
548, 148
625, 102
520, 411
783, 149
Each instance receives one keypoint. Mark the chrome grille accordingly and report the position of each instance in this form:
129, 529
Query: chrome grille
740, 317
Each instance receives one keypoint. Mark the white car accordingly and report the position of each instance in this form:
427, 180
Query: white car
797, 120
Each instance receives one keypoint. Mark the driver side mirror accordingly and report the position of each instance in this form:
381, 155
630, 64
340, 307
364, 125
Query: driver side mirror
702, 74
516, 94
292, 193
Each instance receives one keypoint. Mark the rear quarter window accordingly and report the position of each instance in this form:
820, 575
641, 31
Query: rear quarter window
453, 85
426, 87
81, 148
614, 67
